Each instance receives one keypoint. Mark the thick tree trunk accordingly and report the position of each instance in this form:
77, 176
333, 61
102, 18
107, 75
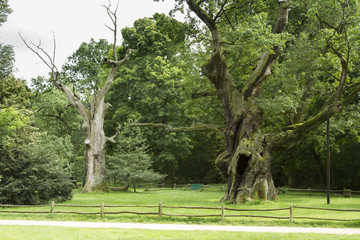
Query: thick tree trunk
95, 170
249, 178
95, 148
246, 161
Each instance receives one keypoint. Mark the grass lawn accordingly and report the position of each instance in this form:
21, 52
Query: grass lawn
49, 233
181, 197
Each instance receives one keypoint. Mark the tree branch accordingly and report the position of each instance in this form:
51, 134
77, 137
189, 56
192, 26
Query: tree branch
205, 18
267, 60
227, 18
194, 127
113, 18
203, 94
355, 89
303, 105
74, 101
221, 11
113, 138
114, 69
50, 63
116, 63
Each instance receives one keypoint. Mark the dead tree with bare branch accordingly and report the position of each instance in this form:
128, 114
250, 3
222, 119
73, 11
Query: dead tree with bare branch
93, 125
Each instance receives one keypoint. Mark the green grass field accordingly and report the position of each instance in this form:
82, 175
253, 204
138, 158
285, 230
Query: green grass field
49, 233
171, 197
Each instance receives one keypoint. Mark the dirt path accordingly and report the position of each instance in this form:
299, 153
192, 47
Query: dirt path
348, 231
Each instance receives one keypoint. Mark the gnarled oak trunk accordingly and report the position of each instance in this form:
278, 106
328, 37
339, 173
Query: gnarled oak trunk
248, 170
246, 160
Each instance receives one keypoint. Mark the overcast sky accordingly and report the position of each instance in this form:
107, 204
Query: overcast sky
73, 22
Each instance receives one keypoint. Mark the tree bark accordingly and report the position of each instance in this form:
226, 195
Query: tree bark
95, 140
95, 150
94, 137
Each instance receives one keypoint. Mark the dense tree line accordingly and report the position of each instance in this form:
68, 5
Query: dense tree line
239, 92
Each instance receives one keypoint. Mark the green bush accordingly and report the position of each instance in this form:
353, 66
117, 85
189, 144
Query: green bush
32, 170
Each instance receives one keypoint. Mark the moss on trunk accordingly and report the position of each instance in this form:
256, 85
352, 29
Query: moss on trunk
248, 171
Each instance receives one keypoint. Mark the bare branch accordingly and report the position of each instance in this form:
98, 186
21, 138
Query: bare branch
41, 53
283, 17
74, 101
112, 138
114, 69
50, 63
228, 19
122, 61
54, 48
113, 18
344, 74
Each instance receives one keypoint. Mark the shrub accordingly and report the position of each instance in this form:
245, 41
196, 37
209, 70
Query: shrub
31, 172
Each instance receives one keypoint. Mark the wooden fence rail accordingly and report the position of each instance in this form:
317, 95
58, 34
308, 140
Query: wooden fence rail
160, 211
202, 187
345, 192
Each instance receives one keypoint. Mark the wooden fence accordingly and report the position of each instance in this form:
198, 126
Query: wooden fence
308, 191
223, 212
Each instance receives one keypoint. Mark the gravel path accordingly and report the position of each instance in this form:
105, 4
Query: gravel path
348, 231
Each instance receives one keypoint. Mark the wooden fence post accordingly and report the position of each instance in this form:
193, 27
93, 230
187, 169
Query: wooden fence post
52, 206
222, 211
160, 210
291, 213
174, 186
189, 186
102, 210
309, 191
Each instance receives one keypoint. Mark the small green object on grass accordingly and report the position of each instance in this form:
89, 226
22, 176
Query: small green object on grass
196, 186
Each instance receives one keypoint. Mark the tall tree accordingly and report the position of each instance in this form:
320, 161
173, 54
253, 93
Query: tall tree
93, 116
232, 28
151, 89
